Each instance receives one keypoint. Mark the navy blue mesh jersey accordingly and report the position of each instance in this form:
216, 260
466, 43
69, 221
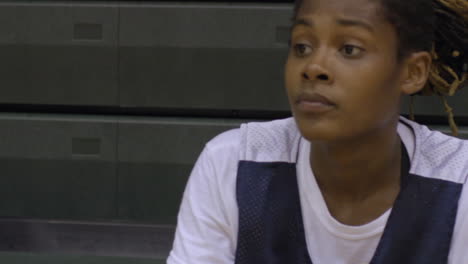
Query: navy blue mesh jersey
247, 203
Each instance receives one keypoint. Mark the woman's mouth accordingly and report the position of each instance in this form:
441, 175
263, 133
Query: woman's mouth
314, 103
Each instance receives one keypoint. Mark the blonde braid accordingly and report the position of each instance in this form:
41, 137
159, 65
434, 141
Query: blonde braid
445, 77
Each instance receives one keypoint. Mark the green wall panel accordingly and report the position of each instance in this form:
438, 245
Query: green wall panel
155, 160
58, 53
29, 258
57, 167
203, 55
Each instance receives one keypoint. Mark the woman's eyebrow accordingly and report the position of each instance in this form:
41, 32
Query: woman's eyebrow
355, 23
303, 22
341, 21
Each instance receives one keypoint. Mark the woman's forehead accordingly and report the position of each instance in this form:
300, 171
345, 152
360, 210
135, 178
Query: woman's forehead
364, 9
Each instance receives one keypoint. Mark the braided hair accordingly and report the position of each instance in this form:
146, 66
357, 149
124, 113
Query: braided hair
436, 26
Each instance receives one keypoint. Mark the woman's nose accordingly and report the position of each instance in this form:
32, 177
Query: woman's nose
317, 71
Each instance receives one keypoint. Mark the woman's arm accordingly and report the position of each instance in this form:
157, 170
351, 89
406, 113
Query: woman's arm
206, 228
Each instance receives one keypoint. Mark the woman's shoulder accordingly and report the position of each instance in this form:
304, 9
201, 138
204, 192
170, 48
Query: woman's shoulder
438, 155
270, 141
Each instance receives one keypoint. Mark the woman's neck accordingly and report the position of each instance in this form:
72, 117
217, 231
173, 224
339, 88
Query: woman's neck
355, 169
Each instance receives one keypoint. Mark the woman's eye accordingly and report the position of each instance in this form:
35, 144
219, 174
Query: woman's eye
301, 49
351, 51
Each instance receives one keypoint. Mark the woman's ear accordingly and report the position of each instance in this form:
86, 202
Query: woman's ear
416, 70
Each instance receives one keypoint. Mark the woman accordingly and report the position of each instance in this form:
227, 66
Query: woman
346, 180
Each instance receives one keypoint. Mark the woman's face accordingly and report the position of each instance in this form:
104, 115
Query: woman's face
342, 75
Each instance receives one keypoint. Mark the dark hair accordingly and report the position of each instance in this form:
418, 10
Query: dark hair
439, 27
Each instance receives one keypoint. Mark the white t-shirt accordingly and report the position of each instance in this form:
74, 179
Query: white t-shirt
208, 217
328, 240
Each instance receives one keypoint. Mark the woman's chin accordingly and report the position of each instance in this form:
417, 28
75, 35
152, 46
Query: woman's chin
317, 127
318, 132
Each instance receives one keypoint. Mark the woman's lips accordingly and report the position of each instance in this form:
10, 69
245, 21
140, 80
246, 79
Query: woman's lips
314, 103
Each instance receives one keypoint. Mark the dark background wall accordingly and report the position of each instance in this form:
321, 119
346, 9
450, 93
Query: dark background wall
105, 106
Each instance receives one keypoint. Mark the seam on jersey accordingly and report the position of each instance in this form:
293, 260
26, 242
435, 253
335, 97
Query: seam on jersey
243, 142
417, 141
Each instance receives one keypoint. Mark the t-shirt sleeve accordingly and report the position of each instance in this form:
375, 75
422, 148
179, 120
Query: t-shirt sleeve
204, 232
